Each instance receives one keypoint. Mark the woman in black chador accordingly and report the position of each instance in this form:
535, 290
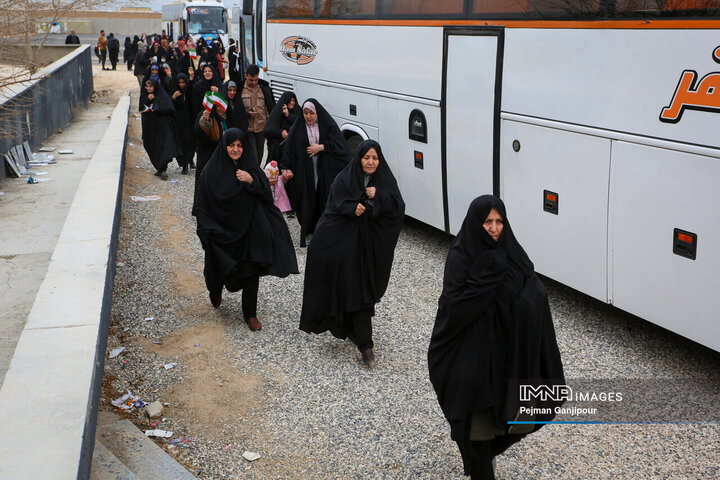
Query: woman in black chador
184, 120
350, 256
242, 232
237, 116
315, 152
277, 127
159, 128
493, 332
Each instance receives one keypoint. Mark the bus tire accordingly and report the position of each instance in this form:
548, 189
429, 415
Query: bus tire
354, 142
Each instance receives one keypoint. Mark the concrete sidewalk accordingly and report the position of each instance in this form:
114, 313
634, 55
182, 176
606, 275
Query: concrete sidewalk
32, 216
57, 249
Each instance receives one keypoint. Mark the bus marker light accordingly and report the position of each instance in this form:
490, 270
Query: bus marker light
419, 162
684, 244
550, 201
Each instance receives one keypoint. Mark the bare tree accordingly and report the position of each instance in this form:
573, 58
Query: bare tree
23, 32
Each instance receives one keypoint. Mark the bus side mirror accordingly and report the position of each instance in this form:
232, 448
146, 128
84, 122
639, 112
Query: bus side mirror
247, 7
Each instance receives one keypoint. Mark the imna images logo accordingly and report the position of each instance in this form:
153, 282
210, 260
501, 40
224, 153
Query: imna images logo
297, 49
691, 94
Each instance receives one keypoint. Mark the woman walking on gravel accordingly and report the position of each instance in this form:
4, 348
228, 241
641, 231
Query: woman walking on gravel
242, 232
159, 127
493, 332
350, 258
315, 152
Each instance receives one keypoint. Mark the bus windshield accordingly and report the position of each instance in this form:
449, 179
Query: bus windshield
204, 20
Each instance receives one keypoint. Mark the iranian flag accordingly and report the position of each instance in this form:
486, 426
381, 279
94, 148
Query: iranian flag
212, 98
193, 53
146, 109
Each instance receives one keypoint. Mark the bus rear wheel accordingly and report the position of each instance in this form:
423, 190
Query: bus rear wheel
354, 142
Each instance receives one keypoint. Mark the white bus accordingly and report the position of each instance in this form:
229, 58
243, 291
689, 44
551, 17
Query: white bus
199, 18
597, 123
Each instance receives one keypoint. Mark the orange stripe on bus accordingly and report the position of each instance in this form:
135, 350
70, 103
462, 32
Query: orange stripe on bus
571, 24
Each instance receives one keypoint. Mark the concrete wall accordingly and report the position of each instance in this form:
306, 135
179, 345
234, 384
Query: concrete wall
34, 111
122, 24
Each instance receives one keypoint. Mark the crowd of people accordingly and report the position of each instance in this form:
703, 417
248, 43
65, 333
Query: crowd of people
493, 327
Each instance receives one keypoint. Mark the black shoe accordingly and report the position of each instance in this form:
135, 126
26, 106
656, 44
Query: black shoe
368, 356
164, 175
158, 173
192, 165
184, 170
216, 299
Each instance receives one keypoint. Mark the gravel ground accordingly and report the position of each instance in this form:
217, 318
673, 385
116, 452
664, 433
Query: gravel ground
307, 404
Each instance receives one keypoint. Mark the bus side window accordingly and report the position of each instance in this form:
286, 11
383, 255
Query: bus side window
417, 126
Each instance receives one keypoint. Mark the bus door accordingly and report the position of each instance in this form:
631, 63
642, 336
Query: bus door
472, 76
251, 33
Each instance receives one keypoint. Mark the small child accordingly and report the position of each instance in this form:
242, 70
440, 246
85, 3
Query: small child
278, 187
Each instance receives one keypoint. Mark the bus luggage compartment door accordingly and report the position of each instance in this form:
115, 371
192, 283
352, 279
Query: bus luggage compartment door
567, 242
471, 117
657, 191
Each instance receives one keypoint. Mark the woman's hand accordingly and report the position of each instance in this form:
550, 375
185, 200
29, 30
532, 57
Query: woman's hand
214, 89
176, 94
284, 134
206, 115
288, 174
285, 111
151, 96
315, 148
243, 176
370, 192
359, 210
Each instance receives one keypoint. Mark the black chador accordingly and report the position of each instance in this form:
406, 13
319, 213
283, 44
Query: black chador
185, 122
202, 85
208, 135
236, 114
159, 128
493, 331
309, 187
278, 122
350, 257
242, 232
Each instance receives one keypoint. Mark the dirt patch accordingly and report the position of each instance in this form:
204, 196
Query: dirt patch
213, 395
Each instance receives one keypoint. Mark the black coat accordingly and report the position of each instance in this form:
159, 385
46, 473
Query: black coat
240, 229
141, 63
493, 327
277, 122
307, 200
350, 257
159, 129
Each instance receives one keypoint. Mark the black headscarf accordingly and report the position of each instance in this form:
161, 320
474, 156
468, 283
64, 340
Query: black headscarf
237, 116
242, 232
350, 257
308, 201
277, 121
493, 328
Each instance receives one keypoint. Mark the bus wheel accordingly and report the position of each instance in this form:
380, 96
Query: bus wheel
354, 142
